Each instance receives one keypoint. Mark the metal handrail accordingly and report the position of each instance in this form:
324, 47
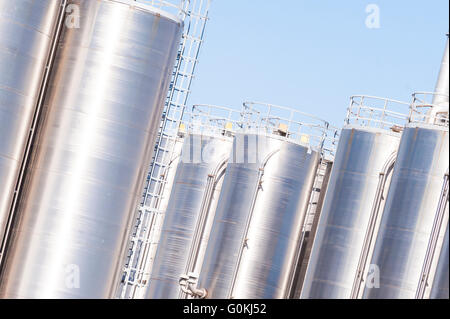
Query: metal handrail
294, 125
365, 111
422, 105
179, 9
211, 119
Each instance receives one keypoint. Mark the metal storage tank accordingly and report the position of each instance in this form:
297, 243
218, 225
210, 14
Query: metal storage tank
412, 203
266, 190
192, 203
145, 237
359, 178
102, 112
27, 30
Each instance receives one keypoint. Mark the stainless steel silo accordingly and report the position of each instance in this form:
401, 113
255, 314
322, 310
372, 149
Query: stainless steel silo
412, 204
27, 32
266, 190
354, 199
102, 112
410, 208
192, 203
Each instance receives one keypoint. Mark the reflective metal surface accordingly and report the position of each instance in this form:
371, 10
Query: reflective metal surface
256, 230
310, 229
102, 112
439, 288
441, 96
26, 31
190, 212
410, 209
361, 155
147, 226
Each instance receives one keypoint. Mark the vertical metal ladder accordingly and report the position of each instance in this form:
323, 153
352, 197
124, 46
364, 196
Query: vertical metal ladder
149, 218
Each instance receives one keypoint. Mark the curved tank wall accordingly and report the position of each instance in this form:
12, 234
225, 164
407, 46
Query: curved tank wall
410, 209
361, 155
147, 227
196, 187
26, 36
256, 231
310, 229
102, 112
439, 288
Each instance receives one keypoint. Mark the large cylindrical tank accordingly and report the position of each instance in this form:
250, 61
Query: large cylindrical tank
190, 212
367, 144
256, 261
411, 206
439, 288
256, 232
409, 231
27, 29
102, 112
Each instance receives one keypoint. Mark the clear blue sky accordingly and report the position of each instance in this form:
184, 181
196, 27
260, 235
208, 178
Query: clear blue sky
313, 55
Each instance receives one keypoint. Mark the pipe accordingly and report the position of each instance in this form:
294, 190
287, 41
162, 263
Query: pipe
27, 155
201, 222
247, 225
188, 286
373, 221
434, 237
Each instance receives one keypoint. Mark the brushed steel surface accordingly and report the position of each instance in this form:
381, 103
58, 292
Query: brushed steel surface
439, 288
183, 213
310, 235
269, 249
102, 112
361, 155
410, 209
26, 31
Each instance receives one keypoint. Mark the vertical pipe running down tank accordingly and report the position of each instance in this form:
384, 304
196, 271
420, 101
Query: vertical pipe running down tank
439, 288
102, 111
435, 244
193, 201
27, 29
367, 142
265, 193
412, 202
